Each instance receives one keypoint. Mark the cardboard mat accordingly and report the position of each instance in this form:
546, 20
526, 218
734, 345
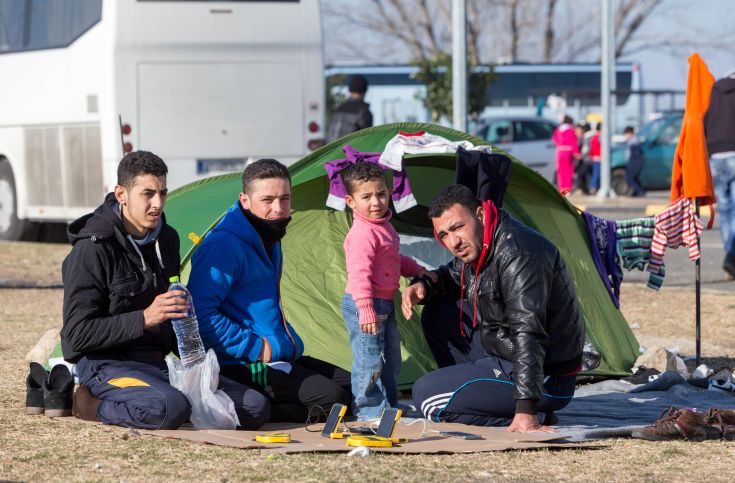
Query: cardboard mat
421, 440
430, 442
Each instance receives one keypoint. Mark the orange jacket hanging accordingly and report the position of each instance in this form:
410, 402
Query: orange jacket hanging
691, 176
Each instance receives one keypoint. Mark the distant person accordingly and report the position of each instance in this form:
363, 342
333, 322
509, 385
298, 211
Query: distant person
595, 157
582, 166
719, 125
567, 151
235, 282
117, 308
374, 269
354, 114
634, 161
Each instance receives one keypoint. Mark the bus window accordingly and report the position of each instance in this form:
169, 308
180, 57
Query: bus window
45, 24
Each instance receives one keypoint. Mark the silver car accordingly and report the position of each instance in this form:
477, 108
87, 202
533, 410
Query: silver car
526, 138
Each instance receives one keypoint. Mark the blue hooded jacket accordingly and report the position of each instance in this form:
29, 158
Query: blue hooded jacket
234, 283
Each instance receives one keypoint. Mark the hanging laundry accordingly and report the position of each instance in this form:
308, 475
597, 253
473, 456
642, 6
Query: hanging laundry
421, 143
634, 239
691, 176
402, 196
603, 238
486, 174
677, 225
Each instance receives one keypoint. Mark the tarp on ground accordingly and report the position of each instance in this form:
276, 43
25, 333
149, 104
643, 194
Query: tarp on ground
314, 276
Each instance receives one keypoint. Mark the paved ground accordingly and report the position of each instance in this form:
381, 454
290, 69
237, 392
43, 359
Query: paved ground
679, 270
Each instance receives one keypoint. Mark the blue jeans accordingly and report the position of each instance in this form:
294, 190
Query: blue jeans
723, 176
595, 183
376, 359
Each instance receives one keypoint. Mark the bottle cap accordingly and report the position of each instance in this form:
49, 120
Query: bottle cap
173, 279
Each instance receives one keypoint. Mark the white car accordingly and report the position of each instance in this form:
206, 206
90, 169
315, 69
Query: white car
526, 138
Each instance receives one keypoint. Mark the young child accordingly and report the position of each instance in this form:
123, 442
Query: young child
374, 267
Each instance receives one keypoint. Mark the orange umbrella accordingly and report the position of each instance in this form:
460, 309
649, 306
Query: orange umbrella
691, 176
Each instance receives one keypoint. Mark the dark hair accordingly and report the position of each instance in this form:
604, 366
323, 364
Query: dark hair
263, 169
456, 194
568, 119
358, 84
361, 173
628, 129
139, 163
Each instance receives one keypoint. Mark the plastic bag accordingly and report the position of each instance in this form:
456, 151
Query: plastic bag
210, 407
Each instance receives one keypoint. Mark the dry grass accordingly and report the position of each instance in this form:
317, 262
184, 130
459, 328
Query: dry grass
35, 448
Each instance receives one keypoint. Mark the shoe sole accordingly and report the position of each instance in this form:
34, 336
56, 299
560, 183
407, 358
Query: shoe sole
57, 413
34, 411
651, 437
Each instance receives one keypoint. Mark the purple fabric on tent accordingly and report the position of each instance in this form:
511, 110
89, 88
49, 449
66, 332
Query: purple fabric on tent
402, 196
604, 253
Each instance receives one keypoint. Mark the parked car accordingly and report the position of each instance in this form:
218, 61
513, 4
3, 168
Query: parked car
658, 139
526, 138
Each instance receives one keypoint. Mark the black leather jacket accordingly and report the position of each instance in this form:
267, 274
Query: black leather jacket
351, 116
527, 308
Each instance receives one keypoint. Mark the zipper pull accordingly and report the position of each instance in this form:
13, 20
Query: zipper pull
155, 280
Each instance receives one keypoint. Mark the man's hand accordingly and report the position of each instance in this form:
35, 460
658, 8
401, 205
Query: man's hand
370, 329
265, 352
413, 295
424, 272
527, 423
169, 305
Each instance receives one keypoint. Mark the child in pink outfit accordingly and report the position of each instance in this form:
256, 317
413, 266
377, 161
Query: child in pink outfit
374, 267
567, 150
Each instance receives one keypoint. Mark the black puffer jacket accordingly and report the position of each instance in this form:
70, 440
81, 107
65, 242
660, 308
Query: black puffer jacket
527, 308
107, 287
719, 122
351, 116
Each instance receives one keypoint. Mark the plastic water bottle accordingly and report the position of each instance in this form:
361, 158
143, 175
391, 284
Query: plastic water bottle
191, 349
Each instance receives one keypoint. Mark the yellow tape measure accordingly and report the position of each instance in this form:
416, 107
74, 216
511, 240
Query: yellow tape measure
375, 441
273, 438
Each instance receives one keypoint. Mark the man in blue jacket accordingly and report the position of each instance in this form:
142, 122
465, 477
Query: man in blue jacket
235, 282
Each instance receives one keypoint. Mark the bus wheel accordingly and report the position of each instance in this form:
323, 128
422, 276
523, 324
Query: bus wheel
11, 228
619, 183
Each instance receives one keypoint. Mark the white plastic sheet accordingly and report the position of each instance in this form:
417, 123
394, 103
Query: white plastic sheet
210, 407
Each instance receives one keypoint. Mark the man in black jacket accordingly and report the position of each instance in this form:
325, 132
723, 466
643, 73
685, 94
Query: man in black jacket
510, 349
117, 309
719, 126
354, 114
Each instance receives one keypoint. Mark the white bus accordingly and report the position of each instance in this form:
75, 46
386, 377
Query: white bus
205, 85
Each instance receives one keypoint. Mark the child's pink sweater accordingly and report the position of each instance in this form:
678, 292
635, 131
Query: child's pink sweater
374, 264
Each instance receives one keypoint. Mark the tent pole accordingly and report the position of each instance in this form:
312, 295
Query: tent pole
698, 289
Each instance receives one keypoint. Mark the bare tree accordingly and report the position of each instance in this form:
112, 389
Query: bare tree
549, 31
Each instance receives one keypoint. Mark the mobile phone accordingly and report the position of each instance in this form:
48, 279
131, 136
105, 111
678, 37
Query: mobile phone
388, 422
333, 421
460, 434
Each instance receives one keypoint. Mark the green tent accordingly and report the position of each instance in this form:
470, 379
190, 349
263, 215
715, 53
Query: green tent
314, 267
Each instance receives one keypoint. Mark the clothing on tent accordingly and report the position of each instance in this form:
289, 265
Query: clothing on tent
486, 174
421, 143
402, 196
691, 176
677, 225
634, 247
604, 253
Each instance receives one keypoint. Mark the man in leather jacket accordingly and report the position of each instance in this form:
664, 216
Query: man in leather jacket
502, 321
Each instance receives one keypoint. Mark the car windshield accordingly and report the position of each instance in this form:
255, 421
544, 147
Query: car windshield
651, 129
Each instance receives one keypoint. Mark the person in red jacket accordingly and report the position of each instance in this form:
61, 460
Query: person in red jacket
595, 158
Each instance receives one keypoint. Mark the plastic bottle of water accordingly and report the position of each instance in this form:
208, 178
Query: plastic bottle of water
191, 349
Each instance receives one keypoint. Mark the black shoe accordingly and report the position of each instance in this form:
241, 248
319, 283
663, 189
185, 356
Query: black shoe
550, 419
57, 392
34, 388
728, 265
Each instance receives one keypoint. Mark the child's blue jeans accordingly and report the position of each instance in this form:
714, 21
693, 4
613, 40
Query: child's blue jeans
376, 359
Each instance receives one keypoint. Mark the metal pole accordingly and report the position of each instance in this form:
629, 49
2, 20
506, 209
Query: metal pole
605, 87
459, 65
698, 291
